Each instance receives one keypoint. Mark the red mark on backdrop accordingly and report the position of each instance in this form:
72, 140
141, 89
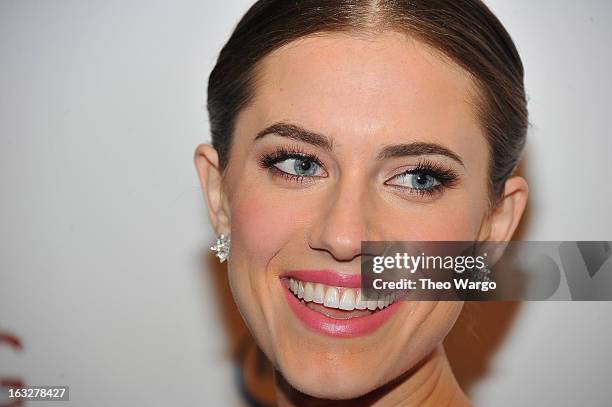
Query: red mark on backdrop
7, 382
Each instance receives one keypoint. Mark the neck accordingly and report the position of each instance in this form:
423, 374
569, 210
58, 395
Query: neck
430, 383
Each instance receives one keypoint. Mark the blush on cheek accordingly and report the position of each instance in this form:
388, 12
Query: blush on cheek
261, 224
448, 231
460, 225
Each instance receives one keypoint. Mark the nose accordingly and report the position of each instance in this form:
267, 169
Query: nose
342, 223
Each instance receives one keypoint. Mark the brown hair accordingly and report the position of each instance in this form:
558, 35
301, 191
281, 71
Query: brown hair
466, 31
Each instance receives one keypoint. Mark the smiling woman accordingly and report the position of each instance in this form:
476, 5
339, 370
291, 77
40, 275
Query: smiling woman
334, 123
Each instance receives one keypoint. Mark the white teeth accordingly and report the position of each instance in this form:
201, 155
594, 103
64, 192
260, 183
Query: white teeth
293, 286
384, 301
359, 303
347, 302
331, 298
319, 294
308, 292
347, 299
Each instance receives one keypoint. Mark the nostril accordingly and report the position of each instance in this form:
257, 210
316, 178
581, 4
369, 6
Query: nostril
342, 255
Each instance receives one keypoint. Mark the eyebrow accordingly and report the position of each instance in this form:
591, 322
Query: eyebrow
417, 148
298, 133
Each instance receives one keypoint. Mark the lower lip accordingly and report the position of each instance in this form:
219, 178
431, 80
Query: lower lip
343, 328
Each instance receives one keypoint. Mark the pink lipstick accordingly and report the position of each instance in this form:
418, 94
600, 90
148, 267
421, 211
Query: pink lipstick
330, 303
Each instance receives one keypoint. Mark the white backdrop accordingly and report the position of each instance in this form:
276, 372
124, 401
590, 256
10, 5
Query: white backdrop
103, 225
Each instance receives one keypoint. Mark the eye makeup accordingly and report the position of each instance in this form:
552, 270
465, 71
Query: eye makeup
425, 179
434, 175
276, 163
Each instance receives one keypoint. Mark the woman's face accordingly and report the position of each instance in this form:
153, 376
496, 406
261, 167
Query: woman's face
349, 138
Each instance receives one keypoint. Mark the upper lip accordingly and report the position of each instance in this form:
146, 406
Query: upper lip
325, 276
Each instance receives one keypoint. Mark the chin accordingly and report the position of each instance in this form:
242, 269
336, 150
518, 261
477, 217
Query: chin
332, 382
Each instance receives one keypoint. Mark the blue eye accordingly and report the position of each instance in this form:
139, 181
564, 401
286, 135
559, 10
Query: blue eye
416, 180
301, 167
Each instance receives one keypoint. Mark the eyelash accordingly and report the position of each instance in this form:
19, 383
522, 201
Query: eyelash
269, 161
446, 177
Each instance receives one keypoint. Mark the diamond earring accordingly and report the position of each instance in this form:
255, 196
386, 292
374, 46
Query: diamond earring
222, 247
481, 275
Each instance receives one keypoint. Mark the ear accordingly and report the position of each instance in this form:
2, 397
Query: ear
211, 180
506, 215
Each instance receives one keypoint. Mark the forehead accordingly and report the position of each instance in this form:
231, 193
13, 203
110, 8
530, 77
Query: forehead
375, 88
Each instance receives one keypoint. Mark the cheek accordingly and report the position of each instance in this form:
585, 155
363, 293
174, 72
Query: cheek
460, 216
461, 224
261, 223
457, 221
261, 226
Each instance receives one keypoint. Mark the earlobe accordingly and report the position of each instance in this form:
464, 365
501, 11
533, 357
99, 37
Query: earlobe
211, 181
506, 215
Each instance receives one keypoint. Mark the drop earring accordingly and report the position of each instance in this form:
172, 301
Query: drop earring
222, 247
482, 275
